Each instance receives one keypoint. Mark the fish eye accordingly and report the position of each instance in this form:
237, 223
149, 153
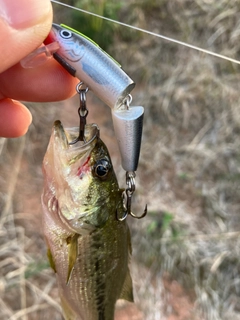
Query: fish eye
66, 34
102, 168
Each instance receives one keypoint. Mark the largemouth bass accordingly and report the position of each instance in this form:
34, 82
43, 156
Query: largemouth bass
88, 247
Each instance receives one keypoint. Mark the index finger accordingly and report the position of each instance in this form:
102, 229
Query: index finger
24, 25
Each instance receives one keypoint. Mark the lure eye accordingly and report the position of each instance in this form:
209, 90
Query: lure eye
102, 168
65, 34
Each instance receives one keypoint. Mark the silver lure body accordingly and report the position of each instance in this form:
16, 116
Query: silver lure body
86, 61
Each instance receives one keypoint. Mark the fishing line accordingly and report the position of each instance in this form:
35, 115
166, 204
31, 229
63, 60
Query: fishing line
150, 33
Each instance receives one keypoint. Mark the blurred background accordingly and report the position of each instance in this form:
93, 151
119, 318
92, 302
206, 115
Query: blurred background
186, 252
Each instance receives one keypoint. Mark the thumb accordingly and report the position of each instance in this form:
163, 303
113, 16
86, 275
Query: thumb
24, 25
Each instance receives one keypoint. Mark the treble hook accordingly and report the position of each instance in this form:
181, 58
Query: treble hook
130, 180
82, 112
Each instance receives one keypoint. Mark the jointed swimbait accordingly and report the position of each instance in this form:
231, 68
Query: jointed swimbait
83, 58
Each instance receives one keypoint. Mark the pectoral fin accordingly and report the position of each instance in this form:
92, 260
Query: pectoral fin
72, 243
127, 289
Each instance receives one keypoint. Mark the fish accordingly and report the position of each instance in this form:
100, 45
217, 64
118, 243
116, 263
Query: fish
84, 59
88, 248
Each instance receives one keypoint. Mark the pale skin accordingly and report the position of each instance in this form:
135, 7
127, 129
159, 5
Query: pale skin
24, 24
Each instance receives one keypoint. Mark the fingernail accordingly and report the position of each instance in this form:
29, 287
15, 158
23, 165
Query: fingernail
21, 14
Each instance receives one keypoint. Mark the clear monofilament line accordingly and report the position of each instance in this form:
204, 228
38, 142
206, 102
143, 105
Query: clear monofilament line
221, 56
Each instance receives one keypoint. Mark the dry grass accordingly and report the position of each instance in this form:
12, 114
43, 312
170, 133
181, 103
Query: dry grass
28, 288
186, 251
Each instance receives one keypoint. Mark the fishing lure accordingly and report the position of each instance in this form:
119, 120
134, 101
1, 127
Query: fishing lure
99, 72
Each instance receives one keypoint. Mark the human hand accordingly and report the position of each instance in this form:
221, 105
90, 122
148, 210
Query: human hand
24, 25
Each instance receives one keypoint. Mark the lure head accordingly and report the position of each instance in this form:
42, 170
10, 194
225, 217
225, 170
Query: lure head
80, 178
70, 50
71, 47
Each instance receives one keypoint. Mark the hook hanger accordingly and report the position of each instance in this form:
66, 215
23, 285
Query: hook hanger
82, 112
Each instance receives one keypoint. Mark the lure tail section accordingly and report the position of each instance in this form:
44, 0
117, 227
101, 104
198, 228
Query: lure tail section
128, 126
